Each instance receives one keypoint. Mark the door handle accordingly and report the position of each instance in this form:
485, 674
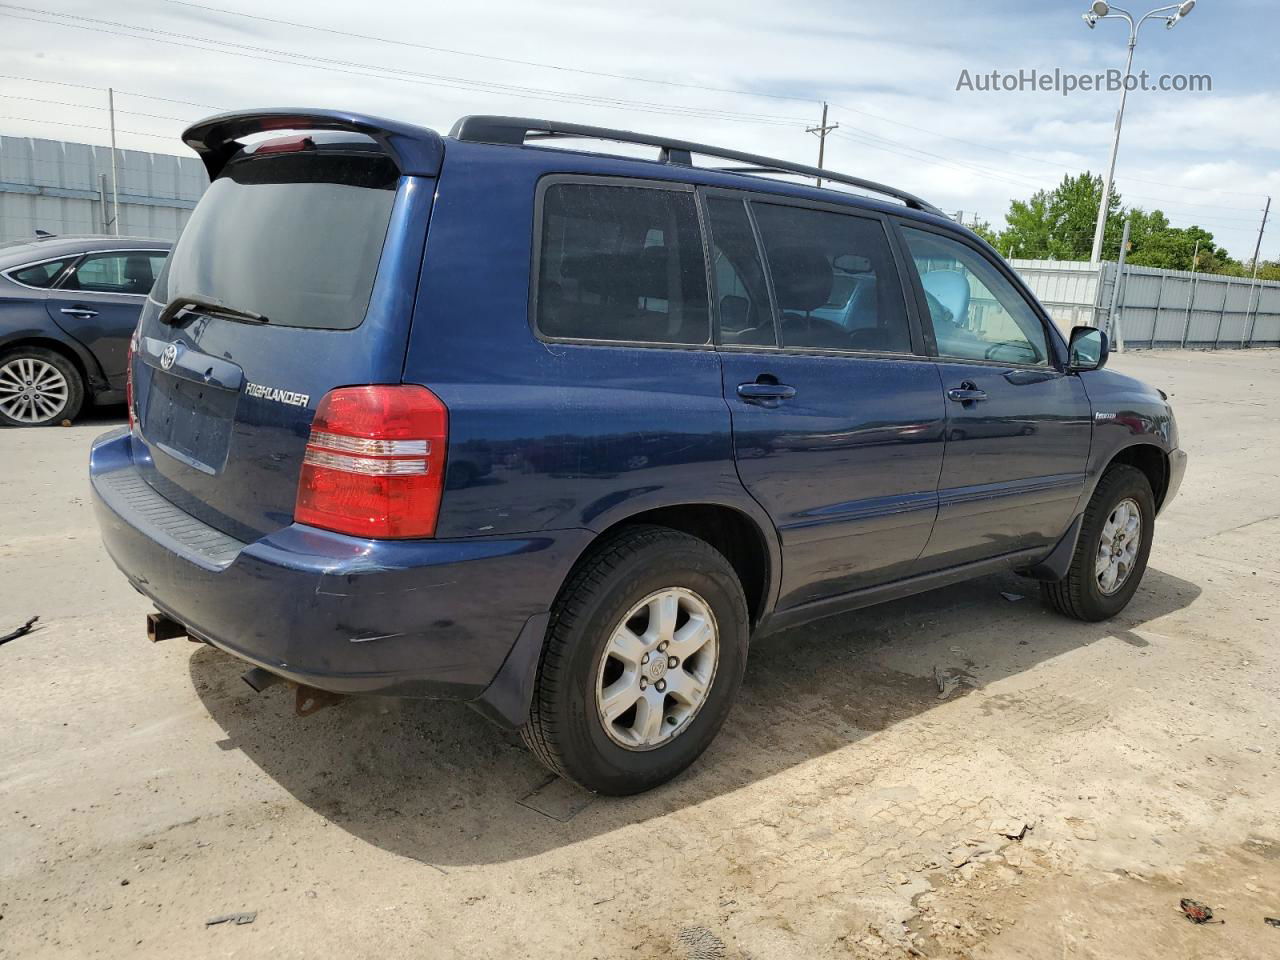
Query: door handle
764, 393
80, 313
966, 393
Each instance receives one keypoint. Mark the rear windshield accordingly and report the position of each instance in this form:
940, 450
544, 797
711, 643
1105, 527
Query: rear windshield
294, 237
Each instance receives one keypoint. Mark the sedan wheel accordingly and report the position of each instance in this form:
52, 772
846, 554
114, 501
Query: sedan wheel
37, 387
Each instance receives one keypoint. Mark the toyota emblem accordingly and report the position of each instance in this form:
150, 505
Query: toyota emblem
169, 356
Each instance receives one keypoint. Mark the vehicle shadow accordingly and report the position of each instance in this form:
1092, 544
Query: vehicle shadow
435, 782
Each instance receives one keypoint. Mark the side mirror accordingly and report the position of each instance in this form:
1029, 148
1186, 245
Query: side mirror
1088, 349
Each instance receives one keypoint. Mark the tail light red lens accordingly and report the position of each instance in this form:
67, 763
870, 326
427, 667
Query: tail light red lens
128, 381
374, 464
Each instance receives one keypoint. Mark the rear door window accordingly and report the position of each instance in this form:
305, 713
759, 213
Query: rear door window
834, 280
295, 237
39, 275
131, 272
621, 263
746, 316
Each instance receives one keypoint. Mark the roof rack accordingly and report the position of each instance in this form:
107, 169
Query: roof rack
519, 130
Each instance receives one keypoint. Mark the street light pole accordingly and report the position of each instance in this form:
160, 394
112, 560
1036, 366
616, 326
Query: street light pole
1101, 10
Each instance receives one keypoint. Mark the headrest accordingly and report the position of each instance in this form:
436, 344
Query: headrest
137, 270
951, 289
802, 278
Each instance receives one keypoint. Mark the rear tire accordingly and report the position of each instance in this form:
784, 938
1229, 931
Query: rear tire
680, 689
1104, 575
38, 388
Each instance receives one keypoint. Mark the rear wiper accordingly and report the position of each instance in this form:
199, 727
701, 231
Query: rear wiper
180, 306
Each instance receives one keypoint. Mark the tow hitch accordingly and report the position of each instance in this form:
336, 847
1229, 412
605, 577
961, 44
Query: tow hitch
161, 627
306, 700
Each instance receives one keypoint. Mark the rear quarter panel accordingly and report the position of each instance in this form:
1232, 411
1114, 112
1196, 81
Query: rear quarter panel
560, 435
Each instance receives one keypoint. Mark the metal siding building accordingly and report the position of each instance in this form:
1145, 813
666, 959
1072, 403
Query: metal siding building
60, 187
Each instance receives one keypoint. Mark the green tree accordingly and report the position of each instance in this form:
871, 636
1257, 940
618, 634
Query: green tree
983, 229
1154, 243
1058, 224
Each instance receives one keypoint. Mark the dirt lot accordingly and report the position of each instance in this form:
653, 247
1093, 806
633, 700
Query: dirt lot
846, 810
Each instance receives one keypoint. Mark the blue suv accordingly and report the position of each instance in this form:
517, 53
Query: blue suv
556, 432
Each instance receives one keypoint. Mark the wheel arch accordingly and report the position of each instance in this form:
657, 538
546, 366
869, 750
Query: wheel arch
747, 541
90, 375
750, 547
1149, 458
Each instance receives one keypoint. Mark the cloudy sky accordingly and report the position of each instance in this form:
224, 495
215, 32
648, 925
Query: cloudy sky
742, 73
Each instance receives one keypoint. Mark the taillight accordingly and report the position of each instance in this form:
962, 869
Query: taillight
374, 464
128, 381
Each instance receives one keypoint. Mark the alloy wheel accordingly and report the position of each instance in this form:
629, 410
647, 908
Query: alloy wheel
657, 669
32, 390
1118, 546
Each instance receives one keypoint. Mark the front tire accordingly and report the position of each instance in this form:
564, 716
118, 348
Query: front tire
643, 660
38, 388
1111, 553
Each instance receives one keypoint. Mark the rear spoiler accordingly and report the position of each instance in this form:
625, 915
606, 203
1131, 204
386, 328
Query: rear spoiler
416, 151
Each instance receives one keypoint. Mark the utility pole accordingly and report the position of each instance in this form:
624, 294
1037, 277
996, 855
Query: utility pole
115, 180
822, 130
1257, 251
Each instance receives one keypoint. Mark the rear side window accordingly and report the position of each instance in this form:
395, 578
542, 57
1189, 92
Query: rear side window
621, 263
132, 272
834, 280
41, 275
746, 316
295, 237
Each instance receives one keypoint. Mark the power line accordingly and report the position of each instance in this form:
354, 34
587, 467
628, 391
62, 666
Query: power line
268, 54
272, 55
90, 106
1005, 176
86, 86
491, 57
1021, 156
671, 83
82, 126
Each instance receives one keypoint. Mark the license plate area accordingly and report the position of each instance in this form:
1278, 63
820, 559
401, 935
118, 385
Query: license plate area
190, 421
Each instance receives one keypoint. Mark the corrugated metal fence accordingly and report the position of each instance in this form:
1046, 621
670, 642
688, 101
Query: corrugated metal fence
1157, 308
65, 188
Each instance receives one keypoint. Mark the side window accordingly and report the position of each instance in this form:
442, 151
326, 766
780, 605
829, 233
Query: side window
622, 263
976, 313
41, 275
834, 280
745, 314
114, 273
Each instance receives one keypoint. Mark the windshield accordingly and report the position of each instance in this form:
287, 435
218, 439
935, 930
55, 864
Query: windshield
293, 237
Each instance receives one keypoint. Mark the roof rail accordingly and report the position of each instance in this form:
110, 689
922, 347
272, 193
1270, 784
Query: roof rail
519, 130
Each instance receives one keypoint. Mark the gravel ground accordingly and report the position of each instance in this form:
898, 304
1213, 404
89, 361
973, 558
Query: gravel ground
845, 811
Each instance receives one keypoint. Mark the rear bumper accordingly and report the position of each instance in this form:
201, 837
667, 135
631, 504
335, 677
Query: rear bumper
425, 618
